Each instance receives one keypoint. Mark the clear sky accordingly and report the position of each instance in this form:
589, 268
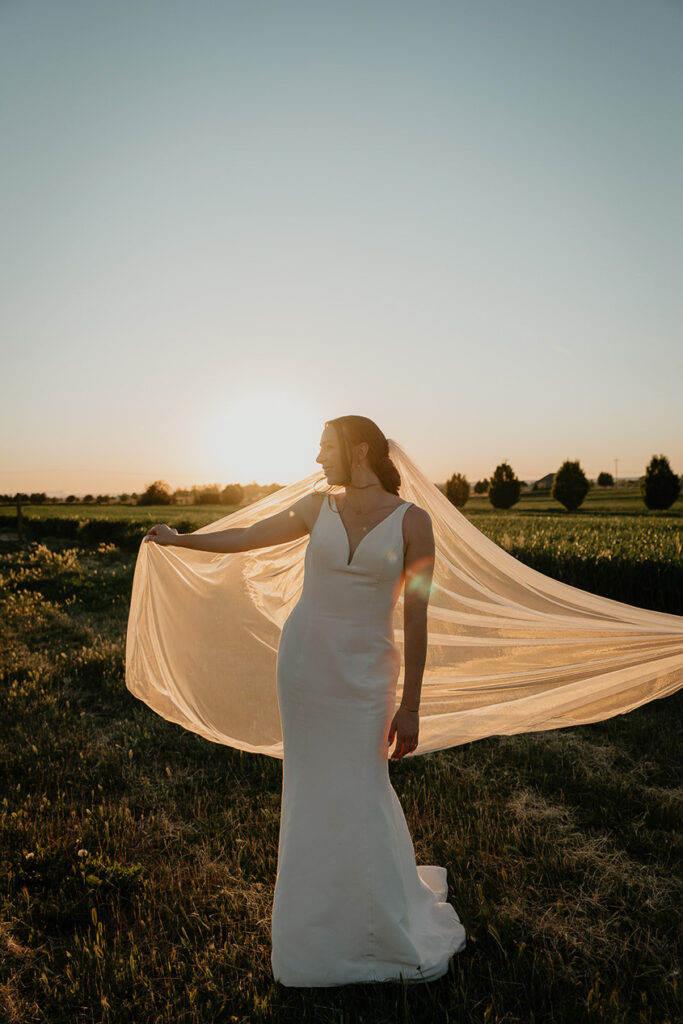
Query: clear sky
224, 222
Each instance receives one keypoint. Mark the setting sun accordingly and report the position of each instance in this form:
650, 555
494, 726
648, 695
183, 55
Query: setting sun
268, 437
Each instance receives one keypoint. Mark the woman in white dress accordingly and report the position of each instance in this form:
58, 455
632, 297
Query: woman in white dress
350, 904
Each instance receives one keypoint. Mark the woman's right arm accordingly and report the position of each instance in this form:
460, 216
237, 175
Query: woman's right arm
290, 524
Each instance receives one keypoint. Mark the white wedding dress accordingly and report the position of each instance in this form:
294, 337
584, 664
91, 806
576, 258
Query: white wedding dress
350, 903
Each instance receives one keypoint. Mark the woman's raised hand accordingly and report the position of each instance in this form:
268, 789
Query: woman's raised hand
161, 534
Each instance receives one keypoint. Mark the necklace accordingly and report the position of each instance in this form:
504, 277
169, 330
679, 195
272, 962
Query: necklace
358, 512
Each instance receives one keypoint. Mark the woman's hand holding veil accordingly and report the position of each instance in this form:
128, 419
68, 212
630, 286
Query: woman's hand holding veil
161, 534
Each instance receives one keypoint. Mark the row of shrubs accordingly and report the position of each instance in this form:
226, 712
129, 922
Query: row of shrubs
660, 487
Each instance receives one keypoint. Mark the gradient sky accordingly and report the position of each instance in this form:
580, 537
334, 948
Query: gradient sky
225, 222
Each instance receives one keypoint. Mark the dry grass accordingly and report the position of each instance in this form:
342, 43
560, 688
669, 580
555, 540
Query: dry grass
138, 861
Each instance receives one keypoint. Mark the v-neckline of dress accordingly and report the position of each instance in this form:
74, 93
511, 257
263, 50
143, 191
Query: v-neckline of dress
350, 556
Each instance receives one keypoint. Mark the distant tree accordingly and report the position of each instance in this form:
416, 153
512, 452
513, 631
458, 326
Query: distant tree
232, 494
660, 486
88, 499
481, 486
38, 498
457, 490
605, 480
103, 499
70, 499
504, 488
253, 491
158, 493
570, 485
209, 494
124, 497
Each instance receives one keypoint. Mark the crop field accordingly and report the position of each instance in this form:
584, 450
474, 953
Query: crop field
137, 860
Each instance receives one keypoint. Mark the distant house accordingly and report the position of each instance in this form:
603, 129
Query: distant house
545, 483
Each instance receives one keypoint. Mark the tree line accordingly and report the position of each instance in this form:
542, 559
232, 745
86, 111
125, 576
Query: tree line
158, 493
659, 487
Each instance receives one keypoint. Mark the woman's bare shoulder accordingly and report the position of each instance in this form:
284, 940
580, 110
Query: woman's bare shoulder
309, 507
417, 514
417, 525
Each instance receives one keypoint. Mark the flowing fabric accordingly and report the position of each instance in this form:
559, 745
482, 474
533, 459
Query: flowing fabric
510, 650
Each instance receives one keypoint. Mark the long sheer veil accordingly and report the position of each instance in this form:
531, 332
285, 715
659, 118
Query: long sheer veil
510, 650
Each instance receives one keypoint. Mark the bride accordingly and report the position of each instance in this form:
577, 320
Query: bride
350, 903
275, 633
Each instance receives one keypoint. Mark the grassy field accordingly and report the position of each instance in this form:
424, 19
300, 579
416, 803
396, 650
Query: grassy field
138, 860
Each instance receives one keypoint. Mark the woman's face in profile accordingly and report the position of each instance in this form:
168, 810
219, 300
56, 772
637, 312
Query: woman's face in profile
329, 456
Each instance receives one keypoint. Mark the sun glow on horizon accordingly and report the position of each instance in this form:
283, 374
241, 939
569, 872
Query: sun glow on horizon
266, 436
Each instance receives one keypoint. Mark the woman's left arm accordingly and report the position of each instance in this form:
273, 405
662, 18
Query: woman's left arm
419, 569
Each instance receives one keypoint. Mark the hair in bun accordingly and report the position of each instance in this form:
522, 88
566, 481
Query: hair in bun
352, 430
